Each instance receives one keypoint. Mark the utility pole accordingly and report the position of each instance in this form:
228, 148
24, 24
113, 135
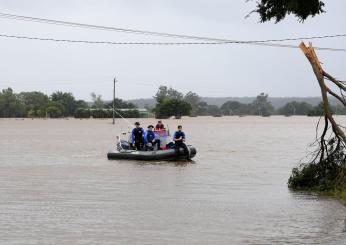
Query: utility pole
114, 100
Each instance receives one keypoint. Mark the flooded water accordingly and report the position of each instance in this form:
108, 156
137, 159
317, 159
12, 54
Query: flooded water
57, 186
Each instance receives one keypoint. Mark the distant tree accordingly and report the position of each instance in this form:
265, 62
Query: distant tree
279, 9
81, 104
161, 94
35, 103
339, 109
121, 104
261, 106
295, 108
98, 103
174, 94
318, 110
173, 107
230, 108
194, 100
55, 109
214, 110
165, 93
202, 109
10, 104
169, 102
67, 100
82, 113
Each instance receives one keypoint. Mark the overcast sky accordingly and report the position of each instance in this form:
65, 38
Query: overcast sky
214, 70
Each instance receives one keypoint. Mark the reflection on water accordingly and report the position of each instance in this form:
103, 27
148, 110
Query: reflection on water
57, 187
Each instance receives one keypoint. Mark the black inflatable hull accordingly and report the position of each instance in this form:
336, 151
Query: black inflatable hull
163, 155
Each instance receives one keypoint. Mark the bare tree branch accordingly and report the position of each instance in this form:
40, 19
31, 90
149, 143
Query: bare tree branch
336, 82
342, 100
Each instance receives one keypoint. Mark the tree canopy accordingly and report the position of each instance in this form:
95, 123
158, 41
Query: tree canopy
262, 106
173, 107
295, 108
98, 102
67, 100
10, 105
194, 101
165, 93
279, 9
121, 104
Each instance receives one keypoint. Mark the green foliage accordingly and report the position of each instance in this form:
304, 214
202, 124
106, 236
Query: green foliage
81, 104
133, 113
55, 109
59, 104
170, 102
121, 104
165, 93
325, 175
214, 111
172, 107
98, 103
167, 99
100, 113
339, 109
194, 101
10, 104
231, 108
261, 106
278, 9
202, 109
318, 110
67, 100
35, 103
82, 113
295, 108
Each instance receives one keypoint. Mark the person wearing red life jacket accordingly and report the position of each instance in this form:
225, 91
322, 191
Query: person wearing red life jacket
159, 126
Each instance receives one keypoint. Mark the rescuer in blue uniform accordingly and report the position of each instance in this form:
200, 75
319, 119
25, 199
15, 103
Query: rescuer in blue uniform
137, 136
150, 139
179, 139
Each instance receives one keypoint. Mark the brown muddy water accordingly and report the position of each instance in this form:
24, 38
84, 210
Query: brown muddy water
57, 186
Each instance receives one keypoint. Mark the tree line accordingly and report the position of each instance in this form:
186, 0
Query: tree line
170, 102
59, 104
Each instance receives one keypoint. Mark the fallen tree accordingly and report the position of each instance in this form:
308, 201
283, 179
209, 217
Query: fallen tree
326, 169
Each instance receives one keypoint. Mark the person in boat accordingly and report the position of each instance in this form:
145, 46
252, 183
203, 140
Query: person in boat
159, 126
179, 140
150, 138
137, 136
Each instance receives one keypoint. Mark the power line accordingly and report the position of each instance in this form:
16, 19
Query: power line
167, 43
107, 42
152, 33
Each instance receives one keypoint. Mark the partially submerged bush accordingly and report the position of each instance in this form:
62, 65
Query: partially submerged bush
328, 174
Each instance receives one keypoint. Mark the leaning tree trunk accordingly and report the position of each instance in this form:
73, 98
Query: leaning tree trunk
336, 140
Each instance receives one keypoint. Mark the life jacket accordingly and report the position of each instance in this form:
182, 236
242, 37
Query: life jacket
178, 134
138, 134
159, 127
150, 136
